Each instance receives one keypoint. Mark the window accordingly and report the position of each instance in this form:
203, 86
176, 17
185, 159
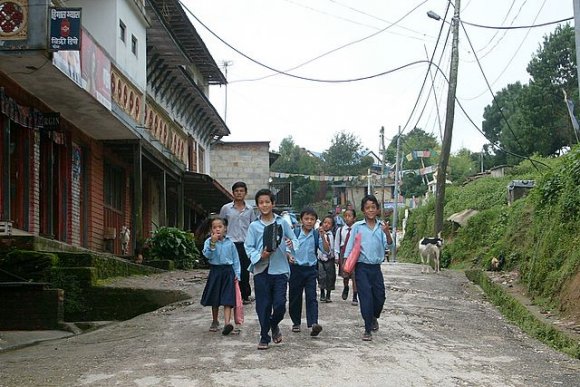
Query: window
122, 31
134, 45
114, 187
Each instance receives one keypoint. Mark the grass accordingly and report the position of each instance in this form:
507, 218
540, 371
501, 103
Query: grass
515, 312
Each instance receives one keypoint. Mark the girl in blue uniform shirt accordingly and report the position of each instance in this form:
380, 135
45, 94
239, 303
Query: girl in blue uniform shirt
224, 262
375, 238
270, 268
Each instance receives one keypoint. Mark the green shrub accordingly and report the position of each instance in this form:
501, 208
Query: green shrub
173, 244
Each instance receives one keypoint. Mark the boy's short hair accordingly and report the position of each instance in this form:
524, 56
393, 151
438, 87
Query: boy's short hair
368, 198
265, 192
239, 184
308, 211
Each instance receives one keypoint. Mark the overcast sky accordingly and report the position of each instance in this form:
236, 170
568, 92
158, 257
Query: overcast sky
283, 34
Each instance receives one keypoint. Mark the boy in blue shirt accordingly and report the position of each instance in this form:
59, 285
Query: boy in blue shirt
270, 268
375, 238
303, 274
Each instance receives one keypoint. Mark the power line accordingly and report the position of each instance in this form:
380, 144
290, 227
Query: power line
428, 69
376, 17
502, 22
298, 76
518, 27
493, 95
335, 49
513, 56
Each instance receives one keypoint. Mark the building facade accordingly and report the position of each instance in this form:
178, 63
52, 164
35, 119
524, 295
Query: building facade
116, 132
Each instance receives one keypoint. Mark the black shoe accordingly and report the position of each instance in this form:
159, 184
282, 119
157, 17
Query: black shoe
227, 329
327, 299
316, 329
367, 336
345, 293
322, 295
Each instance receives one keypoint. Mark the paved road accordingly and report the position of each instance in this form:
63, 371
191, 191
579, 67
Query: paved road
436, 330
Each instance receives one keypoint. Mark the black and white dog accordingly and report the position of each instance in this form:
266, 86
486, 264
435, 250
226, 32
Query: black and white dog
430, 249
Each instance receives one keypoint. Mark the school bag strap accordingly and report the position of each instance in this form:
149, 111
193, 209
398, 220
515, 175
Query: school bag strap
316, 236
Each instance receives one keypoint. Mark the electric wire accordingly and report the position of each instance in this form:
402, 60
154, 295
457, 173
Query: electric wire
511, 59
493, 96
430, 63
376, 17
502, 23
334, 49
428, 69
518, 27
318, 80
505, 32
432, 88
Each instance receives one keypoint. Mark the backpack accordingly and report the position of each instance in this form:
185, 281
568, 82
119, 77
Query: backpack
315, 235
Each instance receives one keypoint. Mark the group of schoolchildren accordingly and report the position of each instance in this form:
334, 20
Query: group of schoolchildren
305, 256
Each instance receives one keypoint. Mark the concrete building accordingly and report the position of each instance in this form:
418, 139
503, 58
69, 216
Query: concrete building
116, 131
242, 161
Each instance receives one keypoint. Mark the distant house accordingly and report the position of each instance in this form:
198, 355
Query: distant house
242, 161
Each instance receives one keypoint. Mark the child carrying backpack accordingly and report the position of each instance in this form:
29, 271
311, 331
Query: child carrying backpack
303, 274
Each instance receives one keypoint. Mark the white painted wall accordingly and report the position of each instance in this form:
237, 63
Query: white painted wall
101, 19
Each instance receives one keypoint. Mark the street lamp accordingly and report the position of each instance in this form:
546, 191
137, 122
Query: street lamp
433, 15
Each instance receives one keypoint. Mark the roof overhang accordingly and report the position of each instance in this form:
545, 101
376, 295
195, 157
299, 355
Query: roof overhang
205, 191
34, 72
173, 48
169, 23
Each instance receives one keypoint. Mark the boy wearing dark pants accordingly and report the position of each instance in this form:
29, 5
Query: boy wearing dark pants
270, 268
303, 274
375, 238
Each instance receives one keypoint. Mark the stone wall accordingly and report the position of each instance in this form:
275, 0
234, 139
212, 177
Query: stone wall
241, 161
30, 306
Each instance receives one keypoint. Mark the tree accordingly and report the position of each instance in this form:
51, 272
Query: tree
346, 156
294, 159
532, 119
416, 140
462, 165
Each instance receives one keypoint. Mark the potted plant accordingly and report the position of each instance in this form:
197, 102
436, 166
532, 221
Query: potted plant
170, 243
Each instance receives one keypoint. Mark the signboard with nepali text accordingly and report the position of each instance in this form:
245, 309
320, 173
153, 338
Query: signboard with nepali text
65, 29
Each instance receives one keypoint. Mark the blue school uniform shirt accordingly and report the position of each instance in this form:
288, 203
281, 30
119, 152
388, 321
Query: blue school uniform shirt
373, 242
254, 245
305, 255
224, 253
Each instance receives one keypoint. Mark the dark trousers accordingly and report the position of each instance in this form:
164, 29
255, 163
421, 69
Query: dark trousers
270, 291
371, 292
302, 280
245, 287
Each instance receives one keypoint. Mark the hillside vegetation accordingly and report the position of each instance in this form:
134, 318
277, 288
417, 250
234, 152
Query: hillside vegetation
539, 235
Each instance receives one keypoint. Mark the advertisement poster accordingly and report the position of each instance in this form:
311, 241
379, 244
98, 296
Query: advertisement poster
95, 71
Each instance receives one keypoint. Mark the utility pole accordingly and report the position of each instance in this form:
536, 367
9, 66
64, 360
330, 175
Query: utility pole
396, 194
449, 116
383, 172
226, 64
